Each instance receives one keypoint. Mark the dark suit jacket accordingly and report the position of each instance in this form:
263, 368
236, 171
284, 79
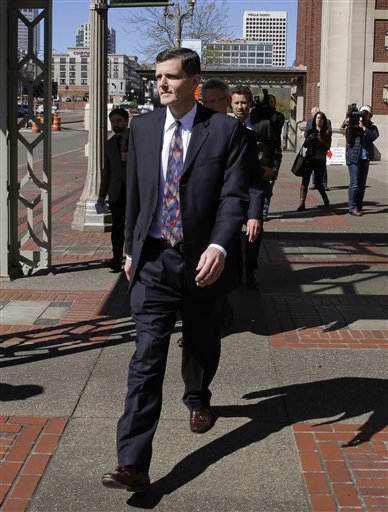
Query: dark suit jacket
213, 191
114, 172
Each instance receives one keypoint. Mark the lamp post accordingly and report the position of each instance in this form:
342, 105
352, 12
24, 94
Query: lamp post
179, 17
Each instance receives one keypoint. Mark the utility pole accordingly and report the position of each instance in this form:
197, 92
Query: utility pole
179, 17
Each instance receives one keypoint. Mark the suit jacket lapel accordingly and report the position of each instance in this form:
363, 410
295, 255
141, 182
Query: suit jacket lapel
156, 140
198, 136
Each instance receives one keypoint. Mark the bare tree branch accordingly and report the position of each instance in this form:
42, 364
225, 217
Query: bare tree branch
157, 32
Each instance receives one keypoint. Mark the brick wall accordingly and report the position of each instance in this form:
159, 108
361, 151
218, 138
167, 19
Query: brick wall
380, 54
378, 105
308, 48
382, 4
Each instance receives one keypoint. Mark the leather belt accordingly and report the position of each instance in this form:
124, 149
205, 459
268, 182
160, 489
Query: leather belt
164, 244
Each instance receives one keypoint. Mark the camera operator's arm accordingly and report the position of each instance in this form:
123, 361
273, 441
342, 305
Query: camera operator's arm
369, 129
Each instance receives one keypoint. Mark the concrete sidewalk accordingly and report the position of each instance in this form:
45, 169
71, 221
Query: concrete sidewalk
300, 398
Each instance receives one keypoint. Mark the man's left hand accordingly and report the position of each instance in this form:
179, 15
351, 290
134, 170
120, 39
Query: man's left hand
210, 266
254, 227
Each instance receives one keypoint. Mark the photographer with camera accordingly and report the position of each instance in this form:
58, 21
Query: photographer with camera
360, 133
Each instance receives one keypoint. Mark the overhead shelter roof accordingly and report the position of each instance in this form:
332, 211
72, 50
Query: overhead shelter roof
271, 77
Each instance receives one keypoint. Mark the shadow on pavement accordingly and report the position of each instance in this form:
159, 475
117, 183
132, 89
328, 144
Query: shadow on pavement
8, 392
344, 397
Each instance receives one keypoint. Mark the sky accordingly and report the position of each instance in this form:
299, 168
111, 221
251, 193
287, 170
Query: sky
68, 15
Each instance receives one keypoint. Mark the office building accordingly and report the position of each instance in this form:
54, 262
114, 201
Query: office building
82, 38
270, 28
72, 72
238, 53
30, 15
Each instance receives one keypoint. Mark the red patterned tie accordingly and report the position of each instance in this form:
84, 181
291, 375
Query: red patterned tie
171, 215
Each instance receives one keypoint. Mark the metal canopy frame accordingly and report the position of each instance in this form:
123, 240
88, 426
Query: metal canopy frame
29, 181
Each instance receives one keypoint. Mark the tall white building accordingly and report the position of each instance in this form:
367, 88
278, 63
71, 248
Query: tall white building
82, 38
30, 15
268, 27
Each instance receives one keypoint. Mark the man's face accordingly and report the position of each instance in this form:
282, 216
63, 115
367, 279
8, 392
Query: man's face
216, 99
241, 106
118, 123
176, 89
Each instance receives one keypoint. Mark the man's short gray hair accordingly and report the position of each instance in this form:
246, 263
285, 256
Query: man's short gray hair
216, 83
314, 111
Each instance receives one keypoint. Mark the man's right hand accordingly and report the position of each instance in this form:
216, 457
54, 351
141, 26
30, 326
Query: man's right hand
127, 268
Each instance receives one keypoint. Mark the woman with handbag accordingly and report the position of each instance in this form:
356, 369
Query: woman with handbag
318, 141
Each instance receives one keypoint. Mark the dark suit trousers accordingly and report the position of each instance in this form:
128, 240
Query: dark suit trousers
118, 224
158, 293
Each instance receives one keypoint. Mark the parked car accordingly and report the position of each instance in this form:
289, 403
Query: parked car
68, 99
22, 110
124, 105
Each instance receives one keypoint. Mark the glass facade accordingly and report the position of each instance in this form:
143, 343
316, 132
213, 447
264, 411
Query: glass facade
235, 55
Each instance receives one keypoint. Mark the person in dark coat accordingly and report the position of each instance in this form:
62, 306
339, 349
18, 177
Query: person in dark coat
260, 132
359, 152
187, 197
317, 142
113, 179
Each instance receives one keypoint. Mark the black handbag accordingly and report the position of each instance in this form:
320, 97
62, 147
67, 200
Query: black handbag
299, 166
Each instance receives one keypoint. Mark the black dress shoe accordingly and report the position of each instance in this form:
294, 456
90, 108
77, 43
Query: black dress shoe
125, 477
200, 421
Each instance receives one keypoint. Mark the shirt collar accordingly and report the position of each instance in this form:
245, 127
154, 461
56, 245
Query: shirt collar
187, 120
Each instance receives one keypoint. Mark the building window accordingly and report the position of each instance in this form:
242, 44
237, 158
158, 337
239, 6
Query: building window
72, 74
72, 60
62, 67
84, 67
84, 60
62, 59
84, 82
62, 81
62, 74
72, 81
84, 74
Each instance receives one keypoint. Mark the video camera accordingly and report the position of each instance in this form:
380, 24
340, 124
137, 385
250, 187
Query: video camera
354, 115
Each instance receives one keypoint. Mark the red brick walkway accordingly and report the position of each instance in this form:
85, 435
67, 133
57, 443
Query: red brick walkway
341, 478
26, 445
297, 322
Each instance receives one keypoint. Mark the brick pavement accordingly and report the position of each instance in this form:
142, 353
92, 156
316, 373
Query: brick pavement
340, 474
26, 446
337, 477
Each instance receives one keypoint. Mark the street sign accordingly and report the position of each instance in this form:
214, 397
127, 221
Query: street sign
138, 3
117, 87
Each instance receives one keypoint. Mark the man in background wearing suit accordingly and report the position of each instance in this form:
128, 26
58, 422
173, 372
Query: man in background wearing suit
187, 195
113, 178
242, 102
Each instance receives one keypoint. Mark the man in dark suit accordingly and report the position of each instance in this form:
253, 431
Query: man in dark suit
262, 130
113, 178
187, 194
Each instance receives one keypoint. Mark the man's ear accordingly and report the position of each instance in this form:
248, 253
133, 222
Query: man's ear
196, 80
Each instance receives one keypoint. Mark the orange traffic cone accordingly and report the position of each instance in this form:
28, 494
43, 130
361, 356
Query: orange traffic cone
56, 126
34, 127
